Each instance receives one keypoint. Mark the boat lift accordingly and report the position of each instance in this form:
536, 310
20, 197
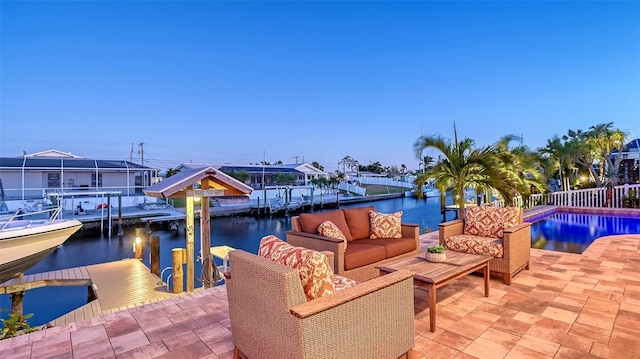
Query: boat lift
76, 194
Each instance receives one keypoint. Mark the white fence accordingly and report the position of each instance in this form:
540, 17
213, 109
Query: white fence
383, 181
352, 188
590, 197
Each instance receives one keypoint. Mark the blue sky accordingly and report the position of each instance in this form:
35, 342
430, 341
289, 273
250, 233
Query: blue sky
229, 82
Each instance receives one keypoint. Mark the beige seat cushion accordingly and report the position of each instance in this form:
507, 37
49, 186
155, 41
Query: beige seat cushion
486, 246
341, 282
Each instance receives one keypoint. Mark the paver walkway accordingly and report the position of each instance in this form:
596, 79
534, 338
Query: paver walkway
566, 306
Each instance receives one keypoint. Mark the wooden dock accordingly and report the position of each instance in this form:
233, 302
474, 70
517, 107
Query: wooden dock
118, 285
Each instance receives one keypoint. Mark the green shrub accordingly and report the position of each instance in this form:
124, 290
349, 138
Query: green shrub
436, 249
16, 324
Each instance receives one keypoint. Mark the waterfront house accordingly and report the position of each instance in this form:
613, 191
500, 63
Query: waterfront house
629, 171
267, 175
34, 179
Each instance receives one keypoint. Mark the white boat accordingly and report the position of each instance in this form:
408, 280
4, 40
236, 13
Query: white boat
429, 190
25, 241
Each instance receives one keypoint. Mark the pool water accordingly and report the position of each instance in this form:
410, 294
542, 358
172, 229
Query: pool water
574, 232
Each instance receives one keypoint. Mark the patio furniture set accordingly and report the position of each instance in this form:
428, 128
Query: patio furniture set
342, 285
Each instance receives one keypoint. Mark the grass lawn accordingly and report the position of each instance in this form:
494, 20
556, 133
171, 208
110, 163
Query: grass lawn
373, 189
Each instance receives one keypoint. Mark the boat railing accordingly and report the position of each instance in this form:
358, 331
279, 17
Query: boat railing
52, 215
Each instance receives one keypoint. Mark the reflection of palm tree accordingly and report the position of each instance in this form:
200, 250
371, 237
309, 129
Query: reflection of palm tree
464, 166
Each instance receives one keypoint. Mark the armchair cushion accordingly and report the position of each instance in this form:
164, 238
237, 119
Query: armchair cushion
358, 221
329, 229
385, 225
486, 221
341, 282
316, 273
309, 222
467, 243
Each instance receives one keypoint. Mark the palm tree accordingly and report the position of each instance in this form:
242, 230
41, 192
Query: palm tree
171, 171
347, 162
462, 165
317, 165
521, 166
560, 156
605, 139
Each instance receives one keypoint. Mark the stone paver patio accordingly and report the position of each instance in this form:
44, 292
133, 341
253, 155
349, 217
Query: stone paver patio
566, 306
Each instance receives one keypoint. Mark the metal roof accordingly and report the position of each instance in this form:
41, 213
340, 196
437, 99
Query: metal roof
259, 169
56, 163
176, 185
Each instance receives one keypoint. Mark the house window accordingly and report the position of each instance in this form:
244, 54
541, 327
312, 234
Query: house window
53, 180
93, 180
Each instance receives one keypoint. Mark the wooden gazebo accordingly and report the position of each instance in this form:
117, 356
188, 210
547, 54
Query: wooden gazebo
204, 182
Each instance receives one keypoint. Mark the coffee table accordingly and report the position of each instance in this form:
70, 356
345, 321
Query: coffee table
433, 275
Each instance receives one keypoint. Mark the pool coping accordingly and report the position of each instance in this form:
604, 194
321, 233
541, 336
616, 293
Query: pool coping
539, 212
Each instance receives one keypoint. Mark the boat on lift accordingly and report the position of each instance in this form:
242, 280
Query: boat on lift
27, 238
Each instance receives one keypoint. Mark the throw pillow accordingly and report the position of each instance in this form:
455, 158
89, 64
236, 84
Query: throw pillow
487, 221
309, 222
386, 225
316, 273
329, 229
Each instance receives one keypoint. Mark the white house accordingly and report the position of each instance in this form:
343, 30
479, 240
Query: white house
38, 176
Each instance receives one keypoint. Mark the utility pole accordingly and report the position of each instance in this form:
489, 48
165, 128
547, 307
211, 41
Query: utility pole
296, 157
131, 153
141, 152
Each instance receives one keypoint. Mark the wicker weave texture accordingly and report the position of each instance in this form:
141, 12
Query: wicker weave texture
516, 243
371, 320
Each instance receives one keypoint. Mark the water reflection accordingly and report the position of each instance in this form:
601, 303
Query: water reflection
574, 232
243, 232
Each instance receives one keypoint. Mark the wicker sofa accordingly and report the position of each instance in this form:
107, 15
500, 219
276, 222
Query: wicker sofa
358, 257
272, 318
497, 232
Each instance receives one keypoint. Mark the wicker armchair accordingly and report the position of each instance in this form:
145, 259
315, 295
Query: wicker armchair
271, 318
515, 242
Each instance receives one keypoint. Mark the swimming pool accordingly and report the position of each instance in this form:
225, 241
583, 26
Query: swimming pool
573, 232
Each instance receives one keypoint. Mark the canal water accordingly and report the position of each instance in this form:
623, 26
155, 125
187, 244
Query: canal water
242, 232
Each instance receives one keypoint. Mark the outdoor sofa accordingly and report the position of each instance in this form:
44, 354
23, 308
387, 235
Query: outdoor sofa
357, 255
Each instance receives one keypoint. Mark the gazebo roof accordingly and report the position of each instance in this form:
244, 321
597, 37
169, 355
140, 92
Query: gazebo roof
177, 185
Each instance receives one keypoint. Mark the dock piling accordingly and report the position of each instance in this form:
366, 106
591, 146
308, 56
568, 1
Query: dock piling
155, 255
137, 243
178, 259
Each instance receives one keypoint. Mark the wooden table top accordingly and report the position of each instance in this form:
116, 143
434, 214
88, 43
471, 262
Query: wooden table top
436, 272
